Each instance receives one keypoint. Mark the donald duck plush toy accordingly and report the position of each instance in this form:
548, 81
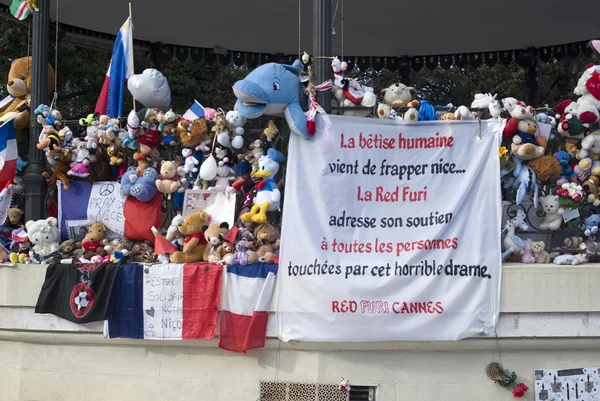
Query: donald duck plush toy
267, 196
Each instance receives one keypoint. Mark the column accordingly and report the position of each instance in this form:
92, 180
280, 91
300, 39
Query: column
322, 47
35, 185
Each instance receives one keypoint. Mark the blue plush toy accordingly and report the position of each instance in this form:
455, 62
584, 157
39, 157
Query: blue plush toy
564, 158
143, 188
591, 225
273, 89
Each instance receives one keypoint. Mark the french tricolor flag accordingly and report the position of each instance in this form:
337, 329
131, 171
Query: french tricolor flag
246, 305
110, 101
8, 153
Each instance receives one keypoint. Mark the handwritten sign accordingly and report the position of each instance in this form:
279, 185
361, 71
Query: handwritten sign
106, 205
181, 301
395, 227
218, 204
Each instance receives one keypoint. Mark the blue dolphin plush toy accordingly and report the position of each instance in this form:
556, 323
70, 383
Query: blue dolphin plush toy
273, 89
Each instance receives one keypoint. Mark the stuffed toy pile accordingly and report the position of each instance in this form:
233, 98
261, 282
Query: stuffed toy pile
548, 159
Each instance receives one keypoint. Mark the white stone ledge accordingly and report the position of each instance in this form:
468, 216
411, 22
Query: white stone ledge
543, 288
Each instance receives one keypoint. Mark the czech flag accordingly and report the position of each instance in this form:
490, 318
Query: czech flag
110, 101
165, 301
8, 153
246, 306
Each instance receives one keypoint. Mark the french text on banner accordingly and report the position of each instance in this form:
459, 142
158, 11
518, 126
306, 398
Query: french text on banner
397, 226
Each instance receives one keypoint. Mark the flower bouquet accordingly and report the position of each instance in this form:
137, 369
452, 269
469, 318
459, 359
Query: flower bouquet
571, 195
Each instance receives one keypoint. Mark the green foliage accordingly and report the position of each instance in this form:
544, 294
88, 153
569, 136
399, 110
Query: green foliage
81, 73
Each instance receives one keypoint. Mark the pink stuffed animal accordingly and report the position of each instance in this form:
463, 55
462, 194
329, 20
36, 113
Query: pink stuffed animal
527, 255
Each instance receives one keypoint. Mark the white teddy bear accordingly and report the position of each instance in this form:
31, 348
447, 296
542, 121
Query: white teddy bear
43, 235
590, 150
237, 121
553, 218
190, 163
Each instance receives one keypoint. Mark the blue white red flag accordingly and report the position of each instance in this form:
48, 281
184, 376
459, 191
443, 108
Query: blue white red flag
195, 111
110, 101
246, 305
8, 153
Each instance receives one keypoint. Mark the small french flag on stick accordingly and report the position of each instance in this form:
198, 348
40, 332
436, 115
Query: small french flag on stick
246, 305
195, 112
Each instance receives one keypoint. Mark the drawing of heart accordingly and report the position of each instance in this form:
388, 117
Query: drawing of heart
149, 333
146, 270
150, 311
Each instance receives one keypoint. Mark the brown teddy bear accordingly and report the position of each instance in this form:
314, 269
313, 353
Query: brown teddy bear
14, 216
100, 167
19, 86
60, 171
590, 186
223, 254
94, 240
194, 242
69, 249
197, 133
266, 239
214, 235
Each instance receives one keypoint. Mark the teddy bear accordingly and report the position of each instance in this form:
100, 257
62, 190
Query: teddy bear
267, 238
237, 121
590, 153
118, 247
590, 186
539, 250
141, 187
588, 87
527, 254
399, 95
190, 163
142, 252
223, 254
214, 234
574, 119
43, 235
521, 130
591, 225
240, 257
100, 167
192, 227
60, 171
69, 249
196, 134
564, 159
18, 86
94, 241
553, 217
225, 175
167, 127
12, 223
168, 182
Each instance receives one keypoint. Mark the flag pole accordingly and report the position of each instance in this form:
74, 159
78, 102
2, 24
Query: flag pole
131, 44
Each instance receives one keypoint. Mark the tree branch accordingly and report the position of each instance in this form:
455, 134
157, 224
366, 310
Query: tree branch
73, 95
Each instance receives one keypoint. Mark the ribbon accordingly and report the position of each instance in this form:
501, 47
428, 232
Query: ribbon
315, 108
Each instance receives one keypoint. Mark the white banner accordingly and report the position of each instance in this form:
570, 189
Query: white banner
391, 232
106, 205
